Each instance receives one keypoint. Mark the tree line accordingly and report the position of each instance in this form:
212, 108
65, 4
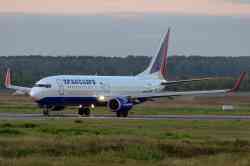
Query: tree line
26, 70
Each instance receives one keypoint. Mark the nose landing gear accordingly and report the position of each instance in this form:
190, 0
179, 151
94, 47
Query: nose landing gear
84, 111
46, 111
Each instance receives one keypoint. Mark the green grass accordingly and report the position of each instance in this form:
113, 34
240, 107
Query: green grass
126, 142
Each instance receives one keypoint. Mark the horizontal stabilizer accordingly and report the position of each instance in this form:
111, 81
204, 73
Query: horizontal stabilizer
19, 89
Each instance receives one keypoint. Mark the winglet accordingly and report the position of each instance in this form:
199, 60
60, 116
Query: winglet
7, 82
238, 83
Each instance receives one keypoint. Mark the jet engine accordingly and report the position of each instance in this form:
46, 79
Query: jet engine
120, 104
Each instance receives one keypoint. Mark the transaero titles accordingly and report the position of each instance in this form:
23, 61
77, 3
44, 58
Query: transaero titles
79, 82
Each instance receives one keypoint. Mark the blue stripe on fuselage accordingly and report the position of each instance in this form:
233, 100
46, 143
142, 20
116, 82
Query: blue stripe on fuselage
68, 101
73, 101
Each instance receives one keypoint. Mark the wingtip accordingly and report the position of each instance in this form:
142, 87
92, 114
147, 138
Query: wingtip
238, 82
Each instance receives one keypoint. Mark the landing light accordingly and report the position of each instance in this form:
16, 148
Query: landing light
101, 98
92, 106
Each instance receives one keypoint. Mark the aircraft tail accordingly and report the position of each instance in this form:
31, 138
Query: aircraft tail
19, 89
158, 65
7, 81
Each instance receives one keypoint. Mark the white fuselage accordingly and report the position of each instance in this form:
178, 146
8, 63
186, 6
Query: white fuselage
76, 89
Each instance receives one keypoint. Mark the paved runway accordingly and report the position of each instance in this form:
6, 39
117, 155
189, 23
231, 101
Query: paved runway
35, 116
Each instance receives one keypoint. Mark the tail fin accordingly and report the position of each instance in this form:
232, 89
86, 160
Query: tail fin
7, 81
158, 64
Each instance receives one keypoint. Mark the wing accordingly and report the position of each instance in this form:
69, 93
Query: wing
174, 83
192, 93
19, 89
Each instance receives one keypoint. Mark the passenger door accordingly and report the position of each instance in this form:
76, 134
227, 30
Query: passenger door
105, 87
60, 85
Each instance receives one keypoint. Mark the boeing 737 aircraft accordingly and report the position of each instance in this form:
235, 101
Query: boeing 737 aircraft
118, 93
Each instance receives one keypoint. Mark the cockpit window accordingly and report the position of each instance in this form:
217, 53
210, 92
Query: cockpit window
43, 85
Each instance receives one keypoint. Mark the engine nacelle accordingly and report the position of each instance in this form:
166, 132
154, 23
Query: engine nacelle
119, 104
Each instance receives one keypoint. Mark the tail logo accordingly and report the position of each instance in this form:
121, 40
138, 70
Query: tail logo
160, 62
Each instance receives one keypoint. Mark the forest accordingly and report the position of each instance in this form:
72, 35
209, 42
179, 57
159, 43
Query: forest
26, 70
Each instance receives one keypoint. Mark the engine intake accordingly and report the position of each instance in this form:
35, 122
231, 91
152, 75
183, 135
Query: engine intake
120, 104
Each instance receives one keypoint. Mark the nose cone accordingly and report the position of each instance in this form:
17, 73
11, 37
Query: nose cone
34, 94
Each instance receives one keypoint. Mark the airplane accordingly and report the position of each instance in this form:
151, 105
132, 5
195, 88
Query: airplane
118, 93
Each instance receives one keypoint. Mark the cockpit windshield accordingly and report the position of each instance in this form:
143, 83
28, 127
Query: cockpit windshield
43, 85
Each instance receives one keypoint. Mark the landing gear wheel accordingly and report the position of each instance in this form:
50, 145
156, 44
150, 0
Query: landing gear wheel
80, 111
125, 114
122, 114
46, 111
118, 114
86, 111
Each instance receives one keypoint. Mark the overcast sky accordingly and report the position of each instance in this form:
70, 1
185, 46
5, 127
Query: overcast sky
122, 27
211, 7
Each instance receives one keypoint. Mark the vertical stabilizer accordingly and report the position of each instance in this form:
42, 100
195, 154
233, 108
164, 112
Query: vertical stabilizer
158, 65
7, 81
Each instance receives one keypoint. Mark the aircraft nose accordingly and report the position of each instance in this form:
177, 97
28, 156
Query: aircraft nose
34, 94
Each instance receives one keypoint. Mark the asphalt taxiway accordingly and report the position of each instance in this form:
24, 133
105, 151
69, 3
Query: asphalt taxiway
36, 116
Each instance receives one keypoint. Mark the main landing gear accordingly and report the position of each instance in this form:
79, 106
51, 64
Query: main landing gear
84, 111
122, 114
